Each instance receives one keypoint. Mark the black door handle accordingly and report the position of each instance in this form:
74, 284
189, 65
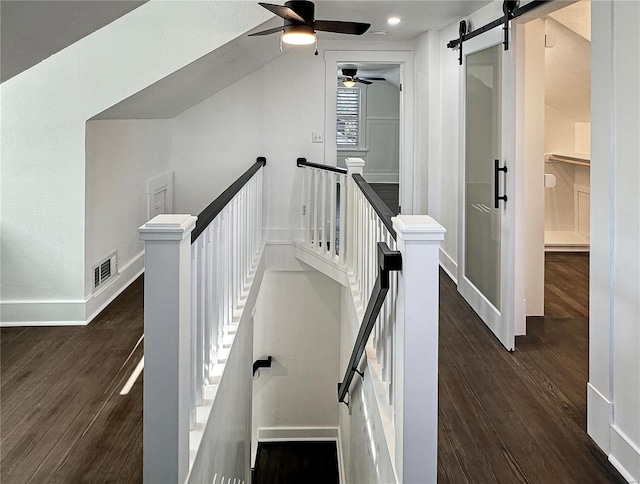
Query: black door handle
496, 183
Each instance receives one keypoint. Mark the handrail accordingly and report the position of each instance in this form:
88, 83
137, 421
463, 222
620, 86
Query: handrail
376, 202
335, 169
388, 260
211, 212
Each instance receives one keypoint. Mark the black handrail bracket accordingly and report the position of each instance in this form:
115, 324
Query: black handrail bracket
262, 363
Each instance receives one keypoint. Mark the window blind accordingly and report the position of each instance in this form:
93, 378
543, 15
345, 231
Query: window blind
348, 116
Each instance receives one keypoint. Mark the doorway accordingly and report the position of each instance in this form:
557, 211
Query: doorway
368, 122
381, 123
556, 159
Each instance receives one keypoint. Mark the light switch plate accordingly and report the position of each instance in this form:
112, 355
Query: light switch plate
316, 137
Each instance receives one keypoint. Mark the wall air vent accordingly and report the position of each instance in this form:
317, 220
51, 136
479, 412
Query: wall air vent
104, 271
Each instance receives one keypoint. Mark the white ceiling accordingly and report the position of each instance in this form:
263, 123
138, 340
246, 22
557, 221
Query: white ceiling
576, 17
215, 71
568, 72
31, 31
34, 30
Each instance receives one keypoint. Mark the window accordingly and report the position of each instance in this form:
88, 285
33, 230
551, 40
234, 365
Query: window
348, 112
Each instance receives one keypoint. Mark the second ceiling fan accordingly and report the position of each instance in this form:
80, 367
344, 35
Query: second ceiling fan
350, 77
300, 25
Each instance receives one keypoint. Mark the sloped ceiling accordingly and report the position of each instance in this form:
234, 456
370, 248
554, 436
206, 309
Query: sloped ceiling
568, 72
31, 31
576, 17
217, 70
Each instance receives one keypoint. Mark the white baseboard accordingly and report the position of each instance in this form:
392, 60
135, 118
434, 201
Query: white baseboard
382, 177
70, 313
449, 265
42, 313
599, 417
285, 434
624, 455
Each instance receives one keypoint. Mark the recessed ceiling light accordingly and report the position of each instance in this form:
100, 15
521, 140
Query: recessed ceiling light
393, 20
378, 32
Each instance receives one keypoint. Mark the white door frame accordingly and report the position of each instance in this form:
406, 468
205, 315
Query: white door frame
502, 323
406, 156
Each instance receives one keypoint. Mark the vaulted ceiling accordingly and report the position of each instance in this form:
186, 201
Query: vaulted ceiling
35, 30
568, 62
31, 31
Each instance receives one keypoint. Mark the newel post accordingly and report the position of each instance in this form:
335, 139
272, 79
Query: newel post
416, 372
167, 288
354, 165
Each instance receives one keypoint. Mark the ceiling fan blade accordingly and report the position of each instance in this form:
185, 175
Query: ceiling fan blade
338, 27
282, 11
373, 78
266, 32
362, 81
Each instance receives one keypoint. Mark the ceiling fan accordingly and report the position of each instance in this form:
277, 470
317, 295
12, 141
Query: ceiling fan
349, 78
300, 25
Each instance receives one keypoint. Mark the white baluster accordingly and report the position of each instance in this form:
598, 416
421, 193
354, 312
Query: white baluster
342, 238
331, 246
195, 304
314, 230
210, 301
325, 190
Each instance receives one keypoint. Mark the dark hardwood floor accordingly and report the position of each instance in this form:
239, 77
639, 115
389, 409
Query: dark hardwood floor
566, 285
390, 194
296, 463
504, 417
63, 419
521, 416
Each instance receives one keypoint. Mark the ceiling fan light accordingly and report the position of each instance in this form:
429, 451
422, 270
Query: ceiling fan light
299, 35
348, 82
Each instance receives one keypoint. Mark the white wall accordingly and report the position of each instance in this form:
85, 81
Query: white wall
120, 157
382, 133
381, 125
44, 110
297, 321
214, 143
613, 397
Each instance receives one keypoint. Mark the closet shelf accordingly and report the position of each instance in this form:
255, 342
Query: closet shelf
552, 157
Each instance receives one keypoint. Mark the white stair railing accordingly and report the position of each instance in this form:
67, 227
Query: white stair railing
404, 339
323, 206
224, 256
372, 224
197, 279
